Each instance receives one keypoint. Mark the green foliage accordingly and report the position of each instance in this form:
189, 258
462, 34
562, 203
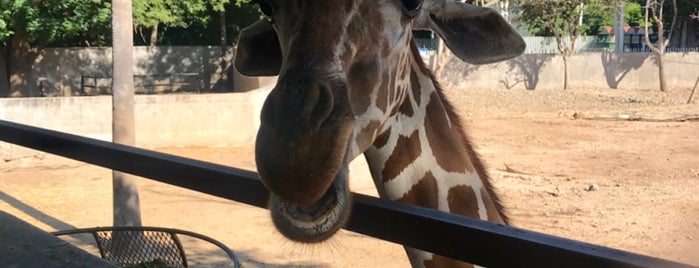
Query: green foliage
5, 16
205, 30
45, 22
601, 14
178, 13
634, 14
150, 13
88, 22
192, 20
544, 17
597, 15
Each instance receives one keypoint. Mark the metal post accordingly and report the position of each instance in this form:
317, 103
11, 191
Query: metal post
619, 27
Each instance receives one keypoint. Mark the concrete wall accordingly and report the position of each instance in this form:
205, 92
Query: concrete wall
57, 71
595, 70
161, 120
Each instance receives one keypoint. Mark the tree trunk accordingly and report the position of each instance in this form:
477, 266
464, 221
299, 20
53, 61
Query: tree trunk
21, 59
126, 201
661, 72
659, 52
4, 72
154, 36
565, 72
656, 12
225, 77
694, 89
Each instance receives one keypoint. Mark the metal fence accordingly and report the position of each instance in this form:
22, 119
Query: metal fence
450, 235
584, 44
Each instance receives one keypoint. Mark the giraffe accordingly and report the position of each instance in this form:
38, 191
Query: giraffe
352, 82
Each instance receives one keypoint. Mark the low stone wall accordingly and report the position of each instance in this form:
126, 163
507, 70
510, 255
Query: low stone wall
58, 71
161, 120
591, 70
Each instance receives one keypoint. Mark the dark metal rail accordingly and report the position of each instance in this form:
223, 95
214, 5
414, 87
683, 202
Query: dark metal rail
450, 235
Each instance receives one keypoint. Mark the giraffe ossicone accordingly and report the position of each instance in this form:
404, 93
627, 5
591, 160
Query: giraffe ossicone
352, 82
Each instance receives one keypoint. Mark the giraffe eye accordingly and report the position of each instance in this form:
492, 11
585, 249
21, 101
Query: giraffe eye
412, 7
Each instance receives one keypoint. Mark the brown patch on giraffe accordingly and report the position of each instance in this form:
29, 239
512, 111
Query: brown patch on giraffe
447, 146
441, 261
424, 193
404, 72
361, 79
407, 109
382, 139
365, 137
406, 152
490, 208
415, 86
456, 120
382, 93
462, 200
392, 81
394, 111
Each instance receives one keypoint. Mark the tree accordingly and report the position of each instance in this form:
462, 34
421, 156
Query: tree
566, 22
558, 18
655, 10
126, 202
28, 26
151, 14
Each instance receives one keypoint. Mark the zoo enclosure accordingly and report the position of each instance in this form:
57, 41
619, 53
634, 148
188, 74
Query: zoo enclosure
442, 233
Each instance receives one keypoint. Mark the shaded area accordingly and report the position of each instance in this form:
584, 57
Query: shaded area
35, 213
616, 66
23, 245
133, 245
530, 67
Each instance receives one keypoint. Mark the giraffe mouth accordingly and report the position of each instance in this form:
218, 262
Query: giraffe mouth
317, 221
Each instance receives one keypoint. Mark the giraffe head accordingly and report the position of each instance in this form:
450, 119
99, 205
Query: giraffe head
343, 69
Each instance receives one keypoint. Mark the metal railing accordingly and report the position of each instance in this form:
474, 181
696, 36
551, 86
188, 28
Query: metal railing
450, 235
147, 84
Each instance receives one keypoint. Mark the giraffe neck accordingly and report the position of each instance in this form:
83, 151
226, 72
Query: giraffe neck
422, 156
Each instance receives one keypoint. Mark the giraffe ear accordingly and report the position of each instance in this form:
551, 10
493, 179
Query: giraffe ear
475, 34
259, 53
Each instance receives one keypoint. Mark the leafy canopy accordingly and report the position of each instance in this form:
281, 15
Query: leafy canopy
88, 22
47, 21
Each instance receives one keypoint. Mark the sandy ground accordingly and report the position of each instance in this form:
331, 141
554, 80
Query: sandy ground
624, 184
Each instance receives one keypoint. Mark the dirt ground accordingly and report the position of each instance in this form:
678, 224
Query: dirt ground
632, 185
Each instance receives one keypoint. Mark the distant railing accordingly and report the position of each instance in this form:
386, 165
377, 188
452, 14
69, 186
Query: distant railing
427, 47
483, 243
591, 44
146, 84
547, 45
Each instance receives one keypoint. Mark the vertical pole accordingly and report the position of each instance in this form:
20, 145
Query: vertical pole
125, 196
619, 27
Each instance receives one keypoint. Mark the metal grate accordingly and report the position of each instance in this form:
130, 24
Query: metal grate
144, 246
134, 247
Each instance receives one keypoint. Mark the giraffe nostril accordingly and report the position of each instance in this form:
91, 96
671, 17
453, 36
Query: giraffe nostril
319, 105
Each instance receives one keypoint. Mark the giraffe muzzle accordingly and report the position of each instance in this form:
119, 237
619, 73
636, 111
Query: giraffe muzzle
301, 150
303, 137
318, 221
